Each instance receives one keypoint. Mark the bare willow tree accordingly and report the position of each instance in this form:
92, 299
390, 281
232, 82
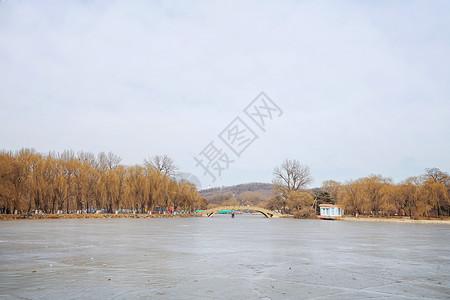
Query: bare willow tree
83, 182
436, 175
163, 164
417, 197
291, 176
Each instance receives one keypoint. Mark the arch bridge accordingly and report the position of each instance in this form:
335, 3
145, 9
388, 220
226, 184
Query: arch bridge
266, 212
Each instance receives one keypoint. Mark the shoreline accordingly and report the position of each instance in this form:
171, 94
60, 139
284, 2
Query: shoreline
7, 217
396, 220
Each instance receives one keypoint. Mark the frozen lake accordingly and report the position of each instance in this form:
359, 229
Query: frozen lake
248, 257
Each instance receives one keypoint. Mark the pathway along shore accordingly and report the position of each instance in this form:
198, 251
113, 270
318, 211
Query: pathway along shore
89, 216
396, 220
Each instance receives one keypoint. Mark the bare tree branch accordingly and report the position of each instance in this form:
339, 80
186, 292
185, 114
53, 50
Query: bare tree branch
292, 176
163, 164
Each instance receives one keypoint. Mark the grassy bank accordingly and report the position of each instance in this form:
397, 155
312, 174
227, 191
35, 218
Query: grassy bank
397, 220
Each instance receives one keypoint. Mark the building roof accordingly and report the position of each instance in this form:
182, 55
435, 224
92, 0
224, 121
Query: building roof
326, 205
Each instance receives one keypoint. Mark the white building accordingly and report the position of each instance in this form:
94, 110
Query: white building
330, 211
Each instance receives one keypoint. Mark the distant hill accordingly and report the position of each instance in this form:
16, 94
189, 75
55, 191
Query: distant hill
246, 191
264, 188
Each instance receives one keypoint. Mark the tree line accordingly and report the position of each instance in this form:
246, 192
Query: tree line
423, 196
82, 181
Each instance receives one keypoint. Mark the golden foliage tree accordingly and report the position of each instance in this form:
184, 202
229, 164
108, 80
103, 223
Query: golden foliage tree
72, 182
418, 196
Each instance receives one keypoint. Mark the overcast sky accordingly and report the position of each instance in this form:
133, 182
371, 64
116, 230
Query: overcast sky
363, 85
